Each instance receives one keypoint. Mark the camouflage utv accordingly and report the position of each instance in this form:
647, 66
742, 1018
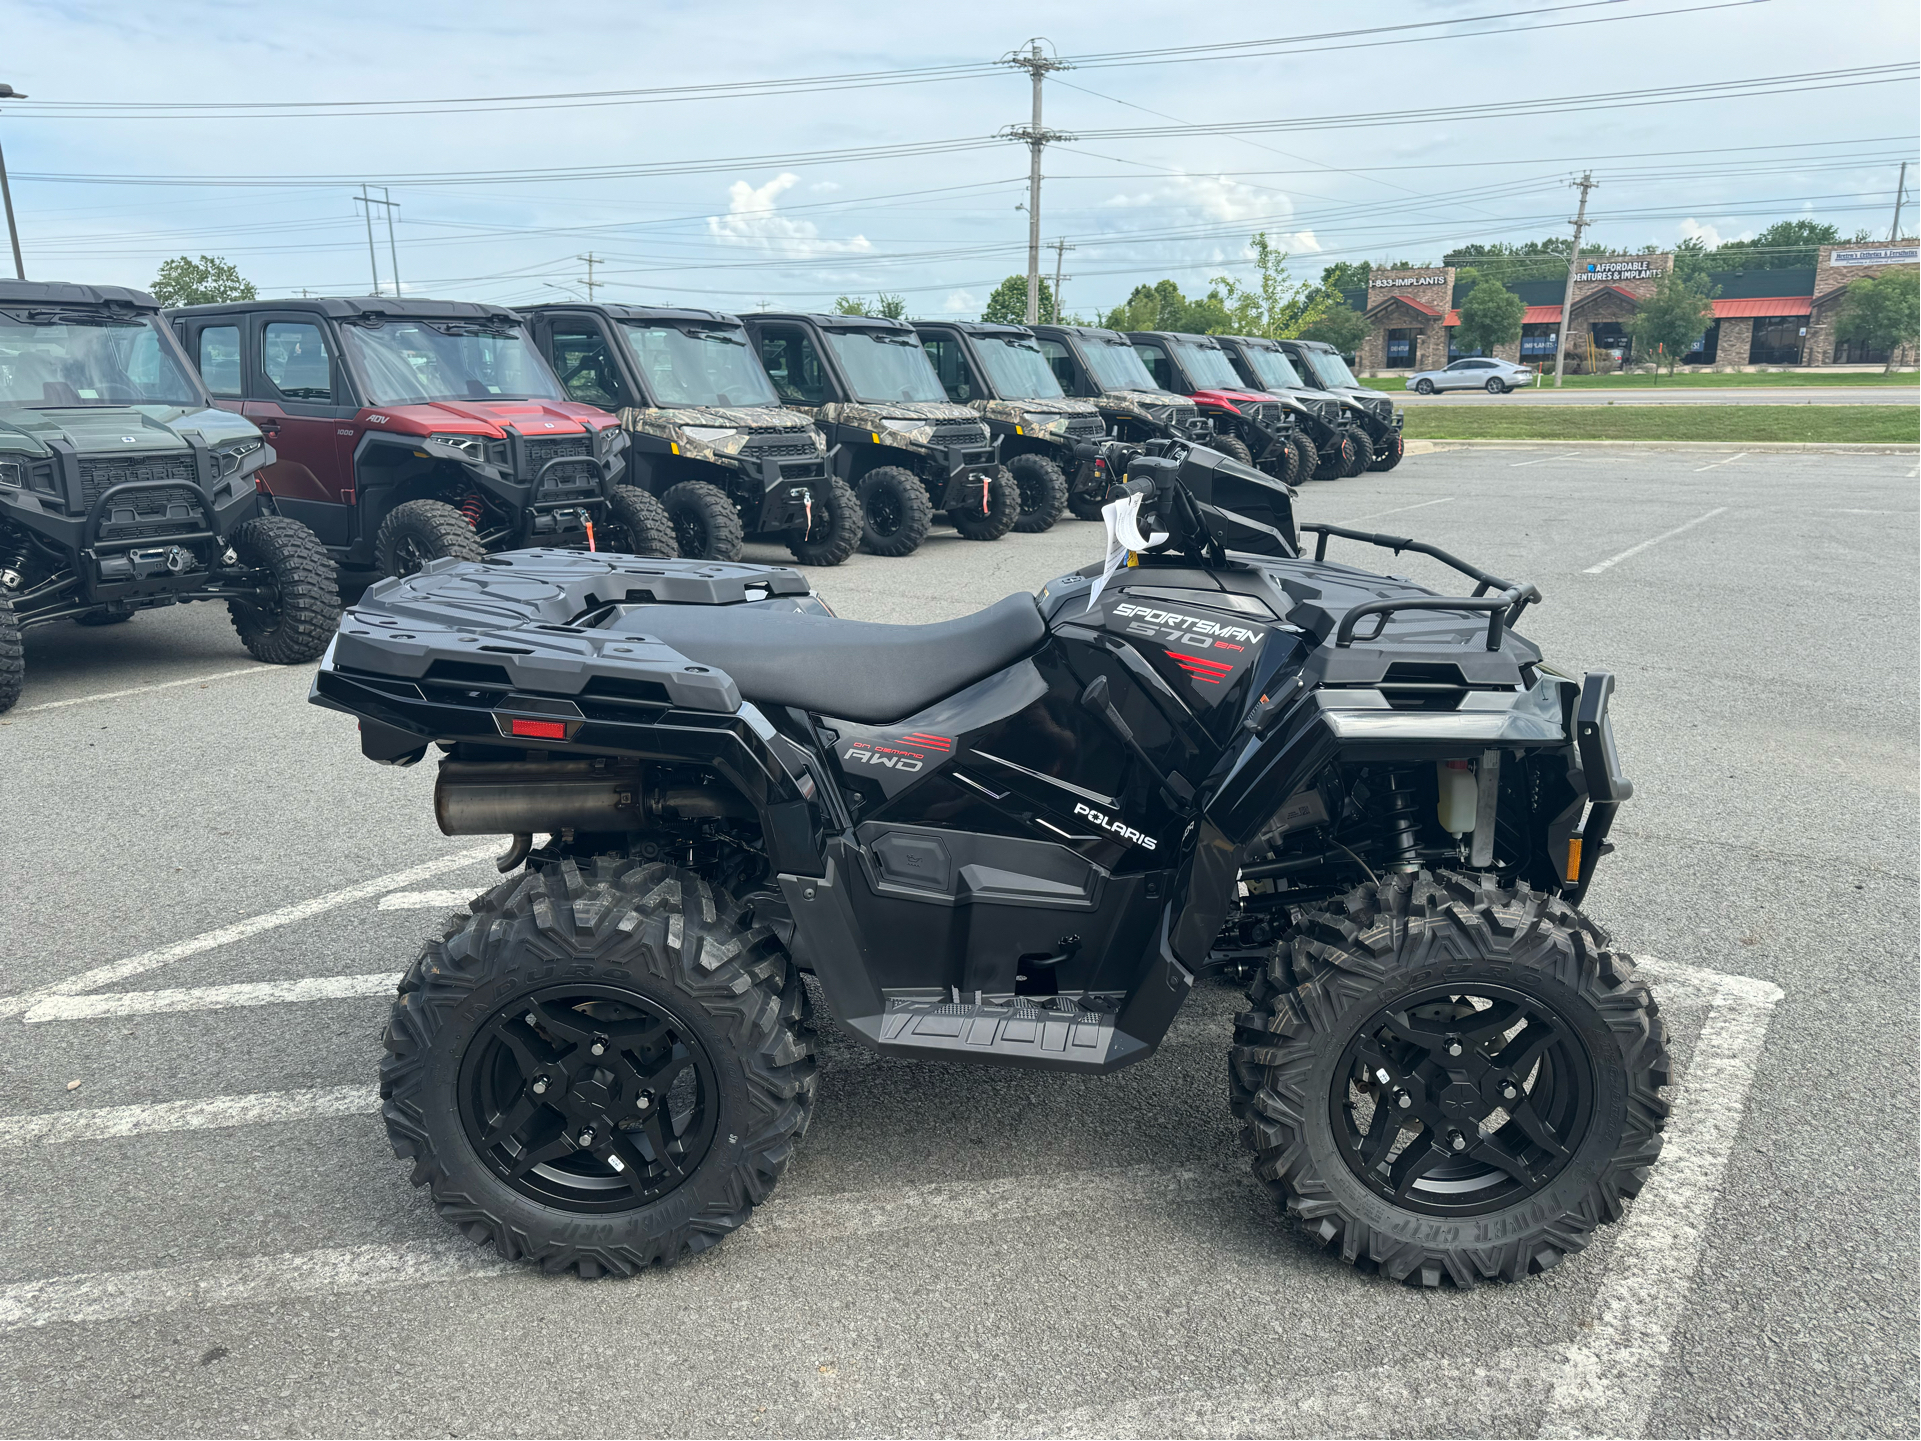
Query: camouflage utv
707, 433
904, 447
998, 371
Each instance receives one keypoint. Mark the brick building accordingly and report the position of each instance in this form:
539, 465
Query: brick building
1761, 317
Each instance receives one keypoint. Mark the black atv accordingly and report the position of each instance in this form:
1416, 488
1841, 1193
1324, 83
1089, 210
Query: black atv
1018, 838
123, 488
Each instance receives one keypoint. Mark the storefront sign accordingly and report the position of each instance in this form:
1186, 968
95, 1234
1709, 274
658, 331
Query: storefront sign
1618, 270
1397, 282
1886, 255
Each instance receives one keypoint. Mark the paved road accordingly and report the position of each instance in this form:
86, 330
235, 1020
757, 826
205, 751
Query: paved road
1678, 395
983, 1252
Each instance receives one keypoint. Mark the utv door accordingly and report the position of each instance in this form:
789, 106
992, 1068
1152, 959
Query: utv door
583, 356
794, 365
957, 377
297, 395
1159, 366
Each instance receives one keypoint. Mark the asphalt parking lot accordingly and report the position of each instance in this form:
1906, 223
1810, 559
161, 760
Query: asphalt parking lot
209, 891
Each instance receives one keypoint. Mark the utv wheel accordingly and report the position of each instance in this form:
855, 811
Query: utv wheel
1003, 509
1388, 453
895, 511
1085, 504
1337, 460
1306, 460
835, 533
1443, 1079
706, 525
637, 524
1424, 387
1363, 455
1233, 445
299, 622
104, 617
1043, 492
603, 1069
13, 657
421, 531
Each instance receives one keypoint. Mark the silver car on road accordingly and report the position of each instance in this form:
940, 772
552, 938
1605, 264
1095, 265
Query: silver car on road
1496, 377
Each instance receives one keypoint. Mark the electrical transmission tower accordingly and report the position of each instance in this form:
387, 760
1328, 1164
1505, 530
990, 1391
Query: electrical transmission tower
1035, 136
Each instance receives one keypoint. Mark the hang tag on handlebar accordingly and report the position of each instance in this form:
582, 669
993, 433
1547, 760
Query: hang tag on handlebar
1121, 520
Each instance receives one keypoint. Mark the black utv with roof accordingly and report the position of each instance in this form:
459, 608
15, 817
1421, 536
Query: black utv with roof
999, 372
414, 430
1372, 412
1334, 442
123, 488
1016, 839
1103, 366
706, 433
1249, 423
904, 447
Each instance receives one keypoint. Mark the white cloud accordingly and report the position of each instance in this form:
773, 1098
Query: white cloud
1692, 229
822, 187
961, 302
753, 219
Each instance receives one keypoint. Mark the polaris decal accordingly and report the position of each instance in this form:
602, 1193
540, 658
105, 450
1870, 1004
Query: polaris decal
1115, 828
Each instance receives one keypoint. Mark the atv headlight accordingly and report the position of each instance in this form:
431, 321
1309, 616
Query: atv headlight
12, 474
471, 447
706, 434
231, 458
903, 427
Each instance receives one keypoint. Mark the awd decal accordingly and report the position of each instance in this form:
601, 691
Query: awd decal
910, 753
1115, 828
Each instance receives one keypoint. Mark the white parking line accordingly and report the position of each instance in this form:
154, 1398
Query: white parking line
1635, 550
146, 961
1566, 455
1423, 505
426, 900
1713, 464
148, 689
211, 998
58, 1128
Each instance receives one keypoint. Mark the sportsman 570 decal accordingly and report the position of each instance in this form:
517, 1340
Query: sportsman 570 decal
1209, 652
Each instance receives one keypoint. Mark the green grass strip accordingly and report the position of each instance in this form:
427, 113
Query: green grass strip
1744, 424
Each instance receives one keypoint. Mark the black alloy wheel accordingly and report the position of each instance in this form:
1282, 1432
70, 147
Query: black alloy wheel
1462, 1103
589, 1098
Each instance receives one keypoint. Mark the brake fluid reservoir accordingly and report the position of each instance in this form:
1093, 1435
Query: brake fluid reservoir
1457, 788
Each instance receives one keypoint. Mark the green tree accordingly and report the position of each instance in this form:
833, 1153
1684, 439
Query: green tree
1784, 245
186, 281
1513, 263
1341, 326
1490, 317
1008, 304
1882, 311
1278, 306
1673, 318
1162, 306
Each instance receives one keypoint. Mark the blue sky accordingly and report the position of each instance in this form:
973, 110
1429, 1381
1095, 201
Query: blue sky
788, 227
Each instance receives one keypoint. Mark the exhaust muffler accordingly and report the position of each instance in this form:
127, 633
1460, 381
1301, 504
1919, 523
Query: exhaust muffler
523, 797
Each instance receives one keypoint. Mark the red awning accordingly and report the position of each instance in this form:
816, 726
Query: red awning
1542, 315
1453, 318
1764, 305
1410, 301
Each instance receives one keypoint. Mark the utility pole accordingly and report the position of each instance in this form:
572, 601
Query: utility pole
1587, 183
373, 261
393, 255
589, 258
1035, 136
7, 92
1894, 230
1058, 247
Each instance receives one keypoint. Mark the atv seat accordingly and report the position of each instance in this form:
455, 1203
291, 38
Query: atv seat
850, 669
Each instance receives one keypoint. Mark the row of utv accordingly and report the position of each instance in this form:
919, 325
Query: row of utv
248, 452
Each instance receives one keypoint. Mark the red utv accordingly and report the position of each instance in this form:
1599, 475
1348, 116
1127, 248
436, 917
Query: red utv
411, 430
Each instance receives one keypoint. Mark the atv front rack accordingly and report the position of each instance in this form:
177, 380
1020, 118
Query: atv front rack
1504, 608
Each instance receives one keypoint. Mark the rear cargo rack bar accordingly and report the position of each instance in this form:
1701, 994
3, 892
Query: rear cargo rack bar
1509, 599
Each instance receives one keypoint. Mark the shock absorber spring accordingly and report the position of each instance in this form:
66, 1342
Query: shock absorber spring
14, 554
1400, 804
473, 508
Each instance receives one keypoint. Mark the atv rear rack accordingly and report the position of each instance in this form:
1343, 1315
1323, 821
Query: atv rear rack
1504, 608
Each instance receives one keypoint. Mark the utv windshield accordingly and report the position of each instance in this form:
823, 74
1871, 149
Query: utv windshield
1116, 365
409, 362
699, 365
1016, 368
54, 359
883, 366
1207, 365
1330, 370
1270, 367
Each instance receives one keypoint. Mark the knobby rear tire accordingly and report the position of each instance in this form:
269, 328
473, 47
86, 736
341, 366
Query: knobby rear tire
421, 531
13, 657
1344, 962
662, 935
706, 525
637, 524
301, 625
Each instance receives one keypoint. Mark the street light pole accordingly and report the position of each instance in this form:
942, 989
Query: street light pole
7, 92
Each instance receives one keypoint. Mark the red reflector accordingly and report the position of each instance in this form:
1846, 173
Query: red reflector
539, 730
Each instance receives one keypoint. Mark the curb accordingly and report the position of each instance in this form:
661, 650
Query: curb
1758, 447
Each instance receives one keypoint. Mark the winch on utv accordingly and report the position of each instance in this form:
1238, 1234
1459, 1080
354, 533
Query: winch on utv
1017, 838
